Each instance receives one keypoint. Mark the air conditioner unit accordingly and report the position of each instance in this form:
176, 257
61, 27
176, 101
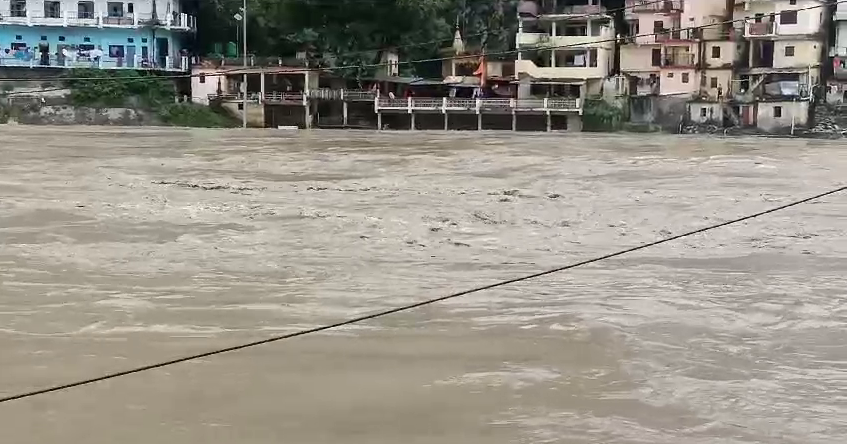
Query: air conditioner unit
747, 6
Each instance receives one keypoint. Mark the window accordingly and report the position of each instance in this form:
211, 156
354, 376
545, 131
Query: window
792, 2
130, 40
61, 38
657, 57
43, 38
86, 47
116, 51
85, 10
130, 8
759, 17
685, 77
19, 37
788, 18
703, 112
115, 9
17, 8
144, 40
716, 52
714, 82
202, 78
670, 75
777, 111
86, 39
789, 51
52, 9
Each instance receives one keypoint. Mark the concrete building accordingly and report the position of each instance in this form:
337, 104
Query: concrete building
785, 48
836, 92
659, 57
139, 34
564, 49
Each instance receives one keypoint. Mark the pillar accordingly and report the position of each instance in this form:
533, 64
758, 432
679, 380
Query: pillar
446, 121
479, 122
262, 98
344, 113
378, 121
262, 87
413, 121
574, 123
514, 121
308, 108
549, 122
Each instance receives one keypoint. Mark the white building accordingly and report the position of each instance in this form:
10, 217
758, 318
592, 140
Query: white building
137, 34
660, 57
563, 49
837, 87
786, 46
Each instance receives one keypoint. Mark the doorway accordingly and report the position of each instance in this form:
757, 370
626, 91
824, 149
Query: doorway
130, 56
162, 51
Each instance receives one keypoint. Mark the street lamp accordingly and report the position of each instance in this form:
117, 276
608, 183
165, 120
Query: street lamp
242, 17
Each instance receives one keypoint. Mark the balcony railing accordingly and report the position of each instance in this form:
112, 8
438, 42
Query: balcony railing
110, 63
760, 29
668, 35
446, 104
651, 6
98, 19
678, 60
582, 9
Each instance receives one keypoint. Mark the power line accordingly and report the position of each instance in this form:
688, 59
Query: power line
429, 60
417, 304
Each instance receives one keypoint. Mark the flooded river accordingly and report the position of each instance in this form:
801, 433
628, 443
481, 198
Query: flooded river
119, 247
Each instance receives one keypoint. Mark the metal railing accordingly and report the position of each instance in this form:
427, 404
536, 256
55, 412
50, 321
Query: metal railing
99, 19
445, 104
582, 9
275, 96
760, 29
667, 6
681, 59
109, 63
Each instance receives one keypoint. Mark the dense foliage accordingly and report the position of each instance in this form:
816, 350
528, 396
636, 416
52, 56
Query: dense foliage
93, 87
348, 32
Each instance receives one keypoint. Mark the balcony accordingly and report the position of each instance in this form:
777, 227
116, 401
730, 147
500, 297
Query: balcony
652, 7
760, 29
137, 63
581, 10
183, 22
678, 60
544, 40
670, 35
529, 68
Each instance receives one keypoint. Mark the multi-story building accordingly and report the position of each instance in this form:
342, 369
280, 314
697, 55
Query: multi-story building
563, 49
785, 46
660, 54
837, 86
137, 34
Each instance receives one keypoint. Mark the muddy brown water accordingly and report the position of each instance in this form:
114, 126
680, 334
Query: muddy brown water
119, 247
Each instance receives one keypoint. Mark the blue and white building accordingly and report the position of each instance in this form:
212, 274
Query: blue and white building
131, 34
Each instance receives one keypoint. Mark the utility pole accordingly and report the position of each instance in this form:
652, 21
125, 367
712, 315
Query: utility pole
244, 58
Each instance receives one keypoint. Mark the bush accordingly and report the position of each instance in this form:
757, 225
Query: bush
192, 115
601, 116
94, 87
